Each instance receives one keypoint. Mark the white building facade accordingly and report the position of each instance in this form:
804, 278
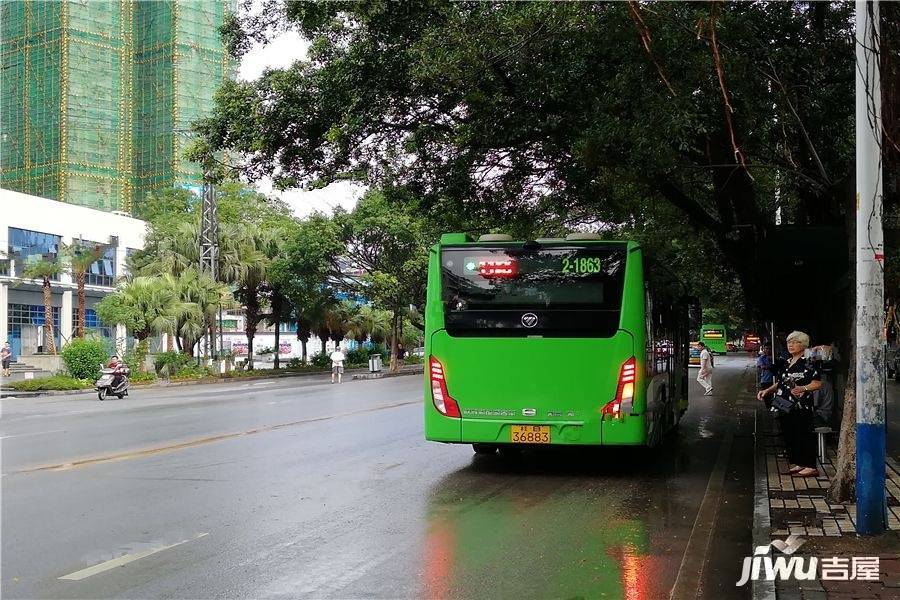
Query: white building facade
31, 228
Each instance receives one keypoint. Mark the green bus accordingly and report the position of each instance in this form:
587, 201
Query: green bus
713, 335
551, 341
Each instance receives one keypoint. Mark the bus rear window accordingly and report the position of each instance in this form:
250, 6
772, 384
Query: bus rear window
565, 290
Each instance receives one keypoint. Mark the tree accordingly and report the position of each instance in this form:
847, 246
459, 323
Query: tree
199, 298
80, 258
388, 243
146, 306
307, 272
249, 265
597, 111
46, 269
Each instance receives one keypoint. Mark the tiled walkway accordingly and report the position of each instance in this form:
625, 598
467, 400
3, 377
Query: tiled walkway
798, 506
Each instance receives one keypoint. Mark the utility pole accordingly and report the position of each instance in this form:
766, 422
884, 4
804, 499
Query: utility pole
870, 340
209, 245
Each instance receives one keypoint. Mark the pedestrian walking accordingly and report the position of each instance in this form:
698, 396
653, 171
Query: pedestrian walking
337, 364
6, 358
793, 399
704, 377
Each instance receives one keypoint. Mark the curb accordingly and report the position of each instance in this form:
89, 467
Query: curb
9, 393
762, 523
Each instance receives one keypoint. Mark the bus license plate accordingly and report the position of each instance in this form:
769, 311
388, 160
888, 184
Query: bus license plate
529, 434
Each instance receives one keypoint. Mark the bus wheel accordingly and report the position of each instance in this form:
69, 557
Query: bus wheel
484, 448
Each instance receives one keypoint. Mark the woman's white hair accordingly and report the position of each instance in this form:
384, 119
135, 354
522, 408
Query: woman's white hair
800, 337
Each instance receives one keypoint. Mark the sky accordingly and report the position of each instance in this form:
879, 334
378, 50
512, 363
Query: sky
282, 51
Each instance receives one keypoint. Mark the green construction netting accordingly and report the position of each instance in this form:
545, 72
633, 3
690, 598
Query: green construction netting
96, 98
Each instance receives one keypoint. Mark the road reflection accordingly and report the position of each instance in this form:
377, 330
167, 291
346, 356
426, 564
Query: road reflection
550, 526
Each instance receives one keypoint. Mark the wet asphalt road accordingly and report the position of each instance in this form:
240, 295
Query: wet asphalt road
296, 488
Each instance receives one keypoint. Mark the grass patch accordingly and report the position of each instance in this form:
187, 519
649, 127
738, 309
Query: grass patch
56, 382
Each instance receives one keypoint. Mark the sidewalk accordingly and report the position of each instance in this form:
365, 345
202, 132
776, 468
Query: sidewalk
362, 373
788, 505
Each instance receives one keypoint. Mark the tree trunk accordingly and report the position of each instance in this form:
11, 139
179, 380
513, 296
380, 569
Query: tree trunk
277, 341
79, 323
250, 335
304, 353
49, 342
843, 484
395, 365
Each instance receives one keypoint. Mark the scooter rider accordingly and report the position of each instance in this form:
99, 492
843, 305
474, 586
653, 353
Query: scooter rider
119, 366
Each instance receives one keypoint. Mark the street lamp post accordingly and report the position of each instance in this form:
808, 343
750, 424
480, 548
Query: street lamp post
870, 340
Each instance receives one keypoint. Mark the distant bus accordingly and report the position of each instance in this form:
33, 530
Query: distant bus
551, 342
751, 342
714, 337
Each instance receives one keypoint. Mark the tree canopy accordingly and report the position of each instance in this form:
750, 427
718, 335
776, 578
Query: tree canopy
553, 114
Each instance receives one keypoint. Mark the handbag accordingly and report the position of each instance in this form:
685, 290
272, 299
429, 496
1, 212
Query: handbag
783, 404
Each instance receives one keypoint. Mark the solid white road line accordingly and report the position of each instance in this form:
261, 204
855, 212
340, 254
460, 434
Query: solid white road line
6, 437
123, 560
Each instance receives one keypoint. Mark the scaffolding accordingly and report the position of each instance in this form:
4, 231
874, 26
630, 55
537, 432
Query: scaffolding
97, 98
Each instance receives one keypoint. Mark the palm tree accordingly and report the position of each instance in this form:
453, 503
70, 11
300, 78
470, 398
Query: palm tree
245, 261
80, 258
46, 269
199, 297
371, 323
146, 306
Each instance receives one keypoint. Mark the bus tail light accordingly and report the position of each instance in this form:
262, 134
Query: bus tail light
624, 391
442, 401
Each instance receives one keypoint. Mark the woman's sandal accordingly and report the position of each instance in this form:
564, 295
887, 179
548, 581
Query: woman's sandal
808, 472
792, 470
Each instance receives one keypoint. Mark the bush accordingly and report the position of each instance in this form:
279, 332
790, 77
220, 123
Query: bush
141, 377
359, 356
296, 363
378, 349
84, 357
321, 360
191, 371
412, 359
263, 351
136, 357
170, 362
56, 382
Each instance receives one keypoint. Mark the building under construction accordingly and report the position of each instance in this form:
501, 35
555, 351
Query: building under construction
97, 98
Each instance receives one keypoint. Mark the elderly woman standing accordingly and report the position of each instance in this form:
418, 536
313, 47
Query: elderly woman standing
793, 397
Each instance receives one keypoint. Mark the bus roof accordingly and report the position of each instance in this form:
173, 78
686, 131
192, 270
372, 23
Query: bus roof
463, 239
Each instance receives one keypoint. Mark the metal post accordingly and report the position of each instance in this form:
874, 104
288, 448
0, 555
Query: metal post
870, 340
209, 244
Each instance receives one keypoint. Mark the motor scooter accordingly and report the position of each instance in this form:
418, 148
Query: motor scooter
104, 385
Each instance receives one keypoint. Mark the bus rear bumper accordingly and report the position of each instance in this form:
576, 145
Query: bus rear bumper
630, 431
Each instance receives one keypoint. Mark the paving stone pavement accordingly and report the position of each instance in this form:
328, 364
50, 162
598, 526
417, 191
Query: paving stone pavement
798, 506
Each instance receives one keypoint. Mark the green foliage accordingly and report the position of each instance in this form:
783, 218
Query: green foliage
320, 360
56, 382
412, 359
136, 357
296, 363
170, 362
44, 268
141, 377
573, 124
191, 371
145, 306
357, 356
84, 357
